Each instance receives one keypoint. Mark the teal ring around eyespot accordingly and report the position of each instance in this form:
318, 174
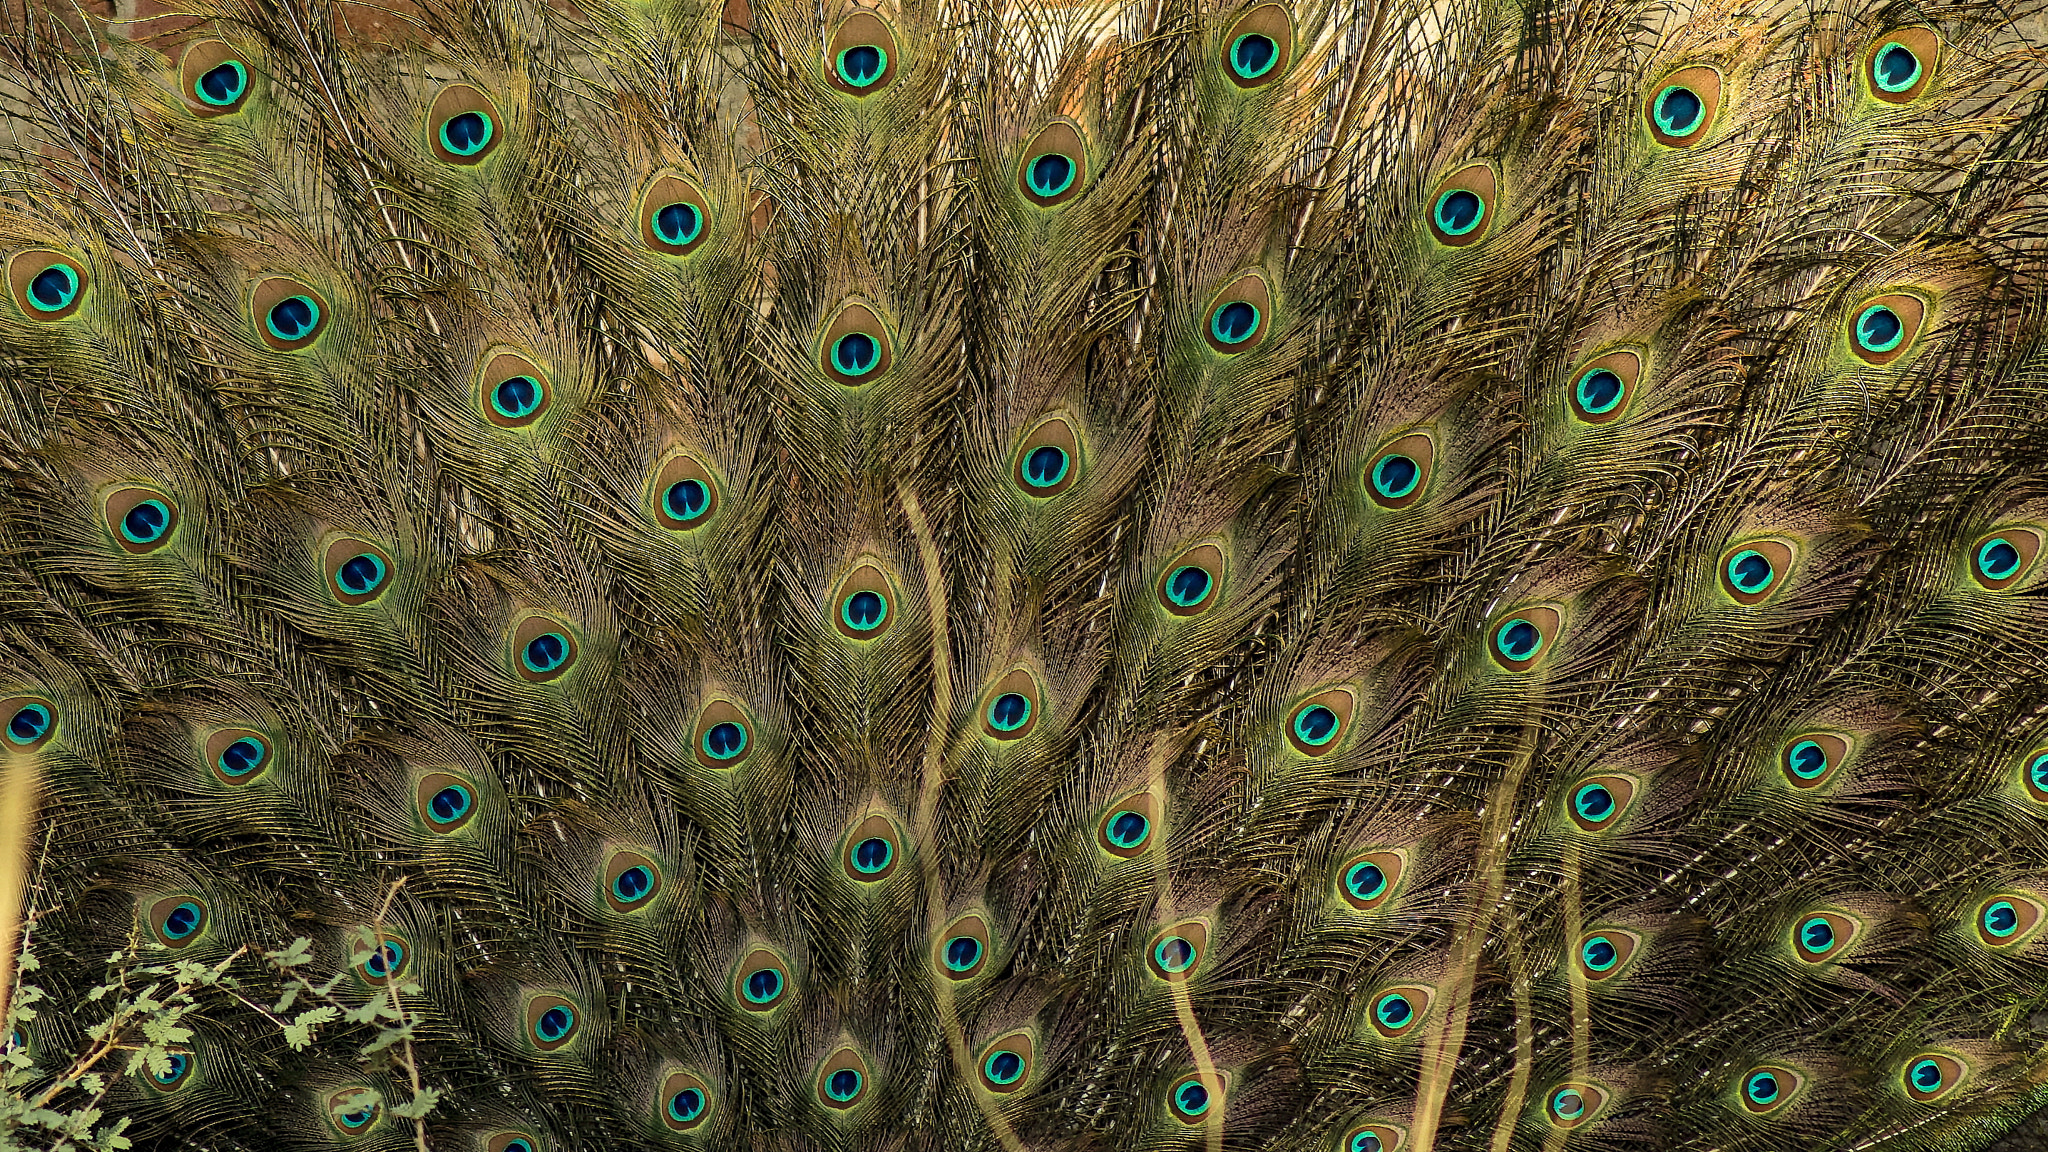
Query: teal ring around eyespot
1585, 401
696, 223
312, 323
526, 653
490, 130
1664, 123
988, 1067
1991, 909
882, 67
846, 612
1450, 229
1794, 761
1500, 640
998, 725
1805, 928
1877, 78
1770, 574
1031, 170
1983, 561
241, 84
1586, 954
376, 578
1216, 323
42, 725
1353, 878
1302, 734
1255, 73
1169, 964
69, 294
705, 742
1879, 346
1388, 491
1568, 1104
161, 508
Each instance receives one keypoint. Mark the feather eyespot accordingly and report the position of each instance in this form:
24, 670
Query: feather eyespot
552, 1021
354, 1111
1605, 954
855, 347
761, 981
31, 721
357, 571
2000, 559
1054, 166
685, 1101
1898, 68
864, 605
176, 1073
1048, 461
1316, 725
1883, 328
1597, 804
1461, 209
512, 391
1931, 1076
1194, 1097
1823, 937
289, 316
2006, 919
1010, 710
446, 802
177, 921
1126, 827
1681, 107
1188, 585
1368, 881
1259, 47
1767, 1088
543, 649
675, 216
513, 1142
1574, 1103
724, 737
1175, 953
46, 284
1605, 386
684, 494
463, 125
861, 59
961, 948
630, 882
1398, 473
1752, 571
141, 519
1239, 315
842, 1080
1520, 639
1395, 1012
1006, 1063
381, 958
2033, 773
237, 756
1812, 759
213, 78
1370, 1138
872, 851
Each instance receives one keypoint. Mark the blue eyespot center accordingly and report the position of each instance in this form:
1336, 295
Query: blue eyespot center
1174, 954
1046, 466
864, 611
222, 84
2001, 919
677, 224
293, 318
53, 289
843, 1085
1593, 802
385, 960
856, 354
1926, 1075
686, 1105
1009, 711
1807, 760
1679, 111
1599, 392
359, 1117
763, 985
1050, 174
517, 397
1393, 1011
1191, 1098
554, 1024
182, 921
633, 884
1568, 1104
28, 724
1817, 936
1252, 55
360, 573
176, 1072
1365, 880
449, 804
963, 953
1750, 571
1003, 1067
1879, 329
686, 499
1395, 475
242, 757
466, 133
546, 652
1364, 1142
1518, 640
1128, 829
1188, 585
1997, 558
1316, 725
146, 522
1761, 1088
1235, 322
724, 740
1599, 953
1459, 211
1895, 69
872, 855
862, 64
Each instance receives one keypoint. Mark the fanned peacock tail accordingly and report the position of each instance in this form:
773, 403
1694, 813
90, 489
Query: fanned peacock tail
1299, 574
